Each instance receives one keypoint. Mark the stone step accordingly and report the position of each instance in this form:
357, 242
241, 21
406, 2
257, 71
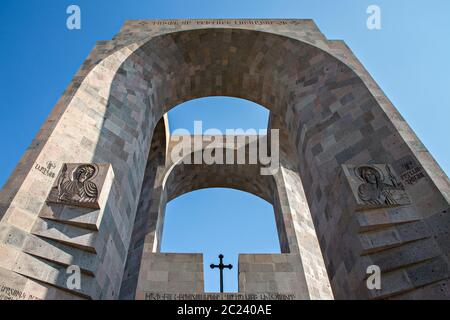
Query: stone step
86, 218
416, 276
406, 255
61, 254
14, 286
391, 237
372, 220
55, 275
80, 238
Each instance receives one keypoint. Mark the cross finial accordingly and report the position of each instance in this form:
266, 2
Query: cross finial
221, 266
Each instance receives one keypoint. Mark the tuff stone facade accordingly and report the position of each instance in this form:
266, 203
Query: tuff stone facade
331, 115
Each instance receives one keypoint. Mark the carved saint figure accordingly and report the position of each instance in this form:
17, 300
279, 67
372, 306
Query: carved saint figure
374, 190
78, 188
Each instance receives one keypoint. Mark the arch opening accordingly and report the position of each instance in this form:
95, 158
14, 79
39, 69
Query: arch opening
220, 220
218, 113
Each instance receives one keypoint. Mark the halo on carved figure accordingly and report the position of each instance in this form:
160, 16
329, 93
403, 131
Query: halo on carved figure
361, 170
91, 165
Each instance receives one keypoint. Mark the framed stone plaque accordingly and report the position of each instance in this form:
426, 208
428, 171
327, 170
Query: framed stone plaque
376, 186
79, 184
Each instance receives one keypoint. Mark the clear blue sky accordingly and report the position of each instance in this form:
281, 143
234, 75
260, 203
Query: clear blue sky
408, 58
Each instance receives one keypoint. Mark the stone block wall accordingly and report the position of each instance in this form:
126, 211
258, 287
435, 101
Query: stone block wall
280, 274
170, 273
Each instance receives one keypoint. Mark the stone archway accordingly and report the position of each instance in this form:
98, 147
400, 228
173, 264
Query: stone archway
334, 120
166, 274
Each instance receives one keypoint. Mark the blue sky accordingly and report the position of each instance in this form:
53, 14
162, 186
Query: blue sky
408, 58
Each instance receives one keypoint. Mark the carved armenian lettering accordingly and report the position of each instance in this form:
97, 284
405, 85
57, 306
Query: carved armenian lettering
222, 21
8, 293
411, 172
47, 169
218, 296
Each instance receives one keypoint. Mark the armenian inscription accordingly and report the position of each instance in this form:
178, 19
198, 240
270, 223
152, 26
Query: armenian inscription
411, 172
8, 293
376, 186
223, 21
47, 169
218, 296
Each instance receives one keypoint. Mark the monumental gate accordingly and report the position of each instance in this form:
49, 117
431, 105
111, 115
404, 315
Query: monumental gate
355, 187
